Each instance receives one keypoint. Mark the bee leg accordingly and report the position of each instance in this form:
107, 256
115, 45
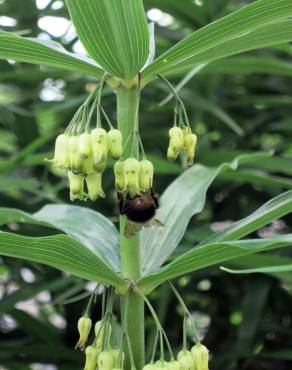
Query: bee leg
155, 198
121, 202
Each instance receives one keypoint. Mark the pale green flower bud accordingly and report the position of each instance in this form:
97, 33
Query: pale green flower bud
76, 162
131, 175
119, 175
190, 142
186, 130
149, 367
176, 138
200, 355
172, 154
61, 155
186, 360
94, 187
99, 142
173, 365
106, 361
146, 175
84, 145
88, 166
76, 186
101, 166
115, 143
99, 330
84, 327
160, 364
119, 357
91, 354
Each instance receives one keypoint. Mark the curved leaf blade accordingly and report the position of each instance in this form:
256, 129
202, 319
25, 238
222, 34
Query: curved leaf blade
261, 261
210, 255
260, 38
272, 210
184, 198
232, 27
35, 51
90, 228
114, 33
61, 252
245, 65
266, 270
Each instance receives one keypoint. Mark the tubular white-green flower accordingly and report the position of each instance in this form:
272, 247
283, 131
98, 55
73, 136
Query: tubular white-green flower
115, 143
84, 145
176, 138
84, 327
200, 355
190, 141
94, 186
186, 360
76, 182
61, 155
146, 175
106, 361
119, 175
131, 175
91, 354
75, 160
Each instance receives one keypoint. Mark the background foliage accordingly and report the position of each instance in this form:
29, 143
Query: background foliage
238, 105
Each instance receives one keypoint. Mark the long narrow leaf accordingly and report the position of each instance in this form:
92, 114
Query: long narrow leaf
184, 198
272, 210
231, 27
245, 65
269, 35
262, 263
35, 51
61, 252
115, 33
266, 270
210, 255
90, 228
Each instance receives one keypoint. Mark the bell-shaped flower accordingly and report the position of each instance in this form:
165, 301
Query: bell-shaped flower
201, 356
76, 182
131, 176
84, 327
94, 186
146, 175
115, 143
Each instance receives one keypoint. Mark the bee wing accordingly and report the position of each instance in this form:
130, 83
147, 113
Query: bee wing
131, 229
154, 223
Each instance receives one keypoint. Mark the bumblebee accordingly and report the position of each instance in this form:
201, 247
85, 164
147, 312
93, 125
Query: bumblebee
140, 211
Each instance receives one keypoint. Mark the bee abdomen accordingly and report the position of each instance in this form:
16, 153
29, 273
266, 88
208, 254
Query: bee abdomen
140, 215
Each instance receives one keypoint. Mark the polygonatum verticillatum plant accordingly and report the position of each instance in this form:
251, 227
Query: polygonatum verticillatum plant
130, 263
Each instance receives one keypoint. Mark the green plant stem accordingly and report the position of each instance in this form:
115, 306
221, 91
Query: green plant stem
127, 115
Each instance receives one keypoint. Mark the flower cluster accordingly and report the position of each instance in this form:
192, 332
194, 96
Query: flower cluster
181, 140
133, 177
196, 359
84, 152
85, 156
99, 354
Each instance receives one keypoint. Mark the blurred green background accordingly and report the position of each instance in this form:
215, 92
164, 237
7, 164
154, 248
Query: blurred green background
238, 105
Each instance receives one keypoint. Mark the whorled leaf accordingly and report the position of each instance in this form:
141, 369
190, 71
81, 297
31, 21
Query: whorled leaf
233, 27
272, 210
184, 198
63, 253
114, 33
210, 255
35, 51
88, 227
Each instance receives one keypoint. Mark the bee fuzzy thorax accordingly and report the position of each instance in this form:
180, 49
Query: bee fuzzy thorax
140, 208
